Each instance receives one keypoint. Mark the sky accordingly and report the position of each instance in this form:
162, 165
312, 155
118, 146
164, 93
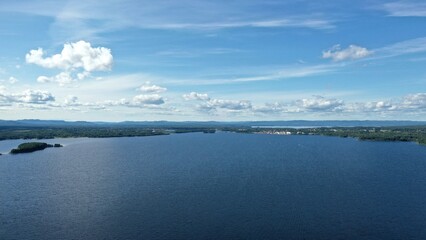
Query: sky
199, 60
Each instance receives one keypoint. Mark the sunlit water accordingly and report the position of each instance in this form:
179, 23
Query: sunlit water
214, 186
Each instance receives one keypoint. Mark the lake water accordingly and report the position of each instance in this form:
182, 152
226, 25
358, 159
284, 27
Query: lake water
214, 186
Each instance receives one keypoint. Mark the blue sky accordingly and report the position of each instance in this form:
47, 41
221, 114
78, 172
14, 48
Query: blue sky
116, 60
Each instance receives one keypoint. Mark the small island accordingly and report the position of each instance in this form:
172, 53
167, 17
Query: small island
32, 147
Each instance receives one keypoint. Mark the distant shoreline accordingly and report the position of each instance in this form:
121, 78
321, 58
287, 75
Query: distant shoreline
399, 133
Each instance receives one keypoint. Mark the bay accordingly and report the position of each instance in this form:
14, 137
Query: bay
214, 186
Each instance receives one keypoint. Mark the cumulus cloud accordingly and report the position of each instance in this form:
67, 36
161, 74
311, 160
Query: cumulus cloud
13, 80
352, 52
374, 106
73, 56
414, 101
319, 103
378, 106
62, 78
196, 96
149, 99
211, 104
27, 96
148, 88
230, 104
34, 96
77, 60
71, 100
271, 108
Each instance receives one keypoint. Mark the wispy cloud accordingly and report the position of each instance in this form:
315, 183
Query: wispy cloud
287, 72
405, 8
74, 20
411, 46
274, 23
187, 53
416, 45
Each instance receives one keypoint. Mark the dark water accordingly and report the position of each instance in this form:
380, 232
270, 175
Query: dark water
215, 186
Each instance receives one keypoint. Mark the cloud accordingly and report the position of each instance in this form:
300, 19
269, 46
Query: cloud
196, 96
411, 46
296, 22
148, 88
74, 20
230, 104
287, 72
209, 104
320, 103
405, 47
352, 52
151, 99
414, 101
271, 108
63, 78
13, 80
405, 9
77, 60
73, 56
71, 100
374, 106
34, 96
27, 96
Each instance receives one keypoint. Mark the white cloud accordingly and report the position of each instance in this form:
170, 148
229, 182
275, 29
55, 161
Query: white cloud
352, 52
13, 80
150, 99
63, 78
196, 96
83, 75
405, 47
73, 56
379, 105
273, 23
27, 96
414, 101
287, 72
374, 106
320, 103
271, 108
34, 96
90, 20
148, 88
405, 9
209, 104
71, 101
230, 104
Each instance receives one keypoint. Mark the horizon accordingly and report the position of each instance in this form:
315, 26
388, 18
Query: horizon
116, 61
265, 123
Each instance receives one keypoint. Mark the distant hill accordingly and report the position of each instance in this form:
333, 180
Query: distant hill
36, 123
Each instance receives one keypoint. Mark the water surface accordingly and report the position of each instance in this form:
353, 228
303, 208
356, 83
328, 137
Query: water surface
215, 186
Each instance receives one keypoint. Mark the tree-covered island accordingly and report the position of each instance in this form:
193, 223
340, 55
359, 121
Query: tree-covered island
32, 147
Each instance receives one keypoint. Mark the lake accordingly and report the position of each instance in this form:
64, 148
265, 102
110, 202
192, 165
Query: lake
214, 186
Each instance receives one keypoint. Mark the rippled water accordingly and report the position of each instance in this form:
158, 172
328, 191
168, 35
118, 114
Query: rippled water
214, 186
